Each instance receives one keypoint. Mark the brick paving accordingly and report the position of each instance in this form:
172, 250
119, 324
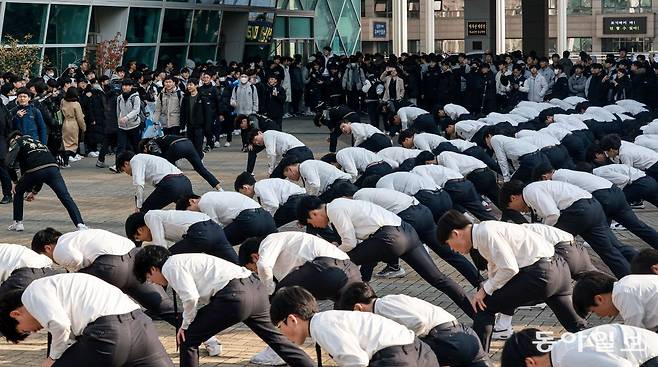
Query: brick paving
106, 199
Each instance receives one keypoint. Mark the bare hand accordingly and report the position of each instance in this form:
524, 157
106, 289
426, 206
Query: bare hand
219, 187
31, 196
47, 362
478, 300
123, 120
136, 210
21, 113
13, 188
180, 336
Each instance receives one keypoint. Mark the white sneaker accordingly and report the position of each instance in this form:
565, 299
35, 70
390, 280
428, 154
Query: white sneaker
616, 226
236, 132
74, 159
16, 226
538, 305
227, 144
502, 334
213, 346
114, 169
217, 144
79, 157
82, 227
391, 272
267, 357
93, 154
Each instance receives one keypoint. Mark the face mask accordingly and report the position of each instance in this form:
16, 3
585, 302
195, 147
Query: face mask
50, 74
244, 80
557, 72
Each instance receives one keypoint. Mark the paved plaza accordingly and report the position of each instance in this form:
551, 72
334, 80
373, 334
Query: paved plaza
106, 199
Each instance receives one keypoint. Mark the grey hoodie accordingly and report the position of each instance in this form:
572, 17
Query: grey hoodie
130, 109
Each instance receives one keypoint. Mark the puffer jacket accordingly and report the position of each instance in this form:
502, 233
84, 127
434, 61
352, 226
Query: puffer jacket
167, 108
130, 109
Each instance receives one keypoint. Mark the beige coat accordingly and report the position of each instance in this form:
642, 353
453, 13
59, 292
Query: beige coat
399, 87
74, 122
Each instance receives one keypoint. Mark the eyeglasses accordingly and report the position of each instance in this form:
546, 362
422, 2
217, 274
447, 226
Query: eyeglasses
284, 321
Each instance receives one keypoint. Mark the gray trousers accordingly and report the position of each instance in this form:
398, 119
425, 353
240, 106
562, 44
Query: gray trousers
117, 340
241, 300
416, 354
22, 277
118, 271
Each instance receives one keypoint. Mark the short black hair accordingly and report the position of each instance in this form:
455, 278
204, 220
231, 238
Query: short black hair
133, 223
194, 81
127, 81
644, 260
541, 169
250, 246
391, 120
9, 302
13, 134
512, 187
245, 178
183, 202
292, 300
445, 147
488, 130
148, 257
590, 284
252, 135
592, 150
122, 158
48, 236
289, 161
519, 346
360, 292
404, 134
610, 141
451, 220
423, 157
23, 90
329, 158
306, 205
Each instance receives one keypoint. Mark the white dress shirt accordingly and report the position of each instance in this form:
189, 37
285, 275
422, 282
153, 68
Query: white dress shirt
409, 114
427, 141
318, 175
352, 337
171, 225
224, 206
549, 233
407, 182
462, 144
417, 315
574, 100
396, 155
391, 200
455, 110
525, 111
64, 304
281, 253
636, 298
507, 247
610, 345
619, 174
636, 156
14, 257
467, 128
439, 174
274, 192
276, 144
462, 163
650, 128
556, 130
600, 114
510, 148
562, 104
570, 122
538, 138
197, 277
356, 220
548, 198
584, 180
361, 132
632, 106
355, 160
647, 141
151, 169
79, 249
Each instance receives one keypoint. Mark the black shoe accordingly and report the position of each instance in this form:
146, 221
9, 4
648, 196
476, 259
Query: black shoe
6, 199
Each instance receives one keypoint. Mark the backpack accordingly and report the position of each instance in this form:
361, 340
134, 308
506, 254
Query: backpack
143, 115
178, 94
253, 90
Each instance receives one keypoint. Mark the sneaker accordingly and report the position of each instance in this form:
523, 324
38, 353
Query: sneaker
236, 132
502, 334
227, 144
6, 199
486, 205
114, 169
206, 149
16, 226
93, 154
213, 346
267, 357
82, 227
74, 159
616, 226
391, 272
100, 164
637, 205
217, 144
538, 305
287, 115
65, 166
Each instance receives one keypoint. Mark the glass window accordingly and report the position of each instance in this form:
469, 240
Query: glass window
142, 54
175, 54
631, 44
578, 44
260, 27
67, 24
61, 57
623, 6
176, 25
25, 19
324, 25
308, 4
513, 44
450, 46
205, 27
236, 2
201, 54
264, 3
281, 27
143, 25
513, 7
413, 9
450, 9
300, 28
349, 28
383, 8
